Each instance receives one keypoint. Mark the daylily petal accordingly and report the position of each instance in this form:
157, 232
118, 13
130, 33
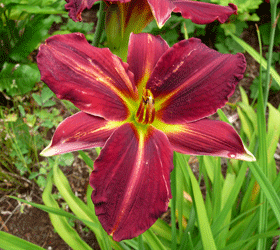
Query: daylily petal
94, 79
131, 181
207, 137
161, 10
76, 8
144, 50
80, 131
191, 81
203, 13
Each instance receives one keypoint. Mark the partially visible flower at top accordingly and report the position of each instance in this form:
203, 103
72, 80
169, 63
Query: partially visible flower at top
140, 112
198, 12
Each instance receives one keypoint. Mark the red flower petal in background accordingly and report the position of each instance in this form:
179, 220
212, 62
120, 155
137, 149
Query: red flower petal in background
76, 8
161, 10
204, 13
78, 132
131, 181
93, 79
191, 81
198, 12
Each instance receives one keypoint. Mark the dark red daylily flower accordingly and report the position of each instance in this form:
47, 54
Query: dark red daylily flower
198, 12
140, 112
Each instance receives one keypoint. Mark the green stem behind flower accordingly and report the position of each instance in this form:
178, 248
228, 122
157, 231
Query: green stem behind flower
263, 214
270, 49
100, 25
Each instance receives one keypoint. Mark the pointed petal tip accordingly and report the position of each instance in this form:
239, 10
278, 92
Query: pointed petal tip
160, 24
48, 151
247, 156
52, 150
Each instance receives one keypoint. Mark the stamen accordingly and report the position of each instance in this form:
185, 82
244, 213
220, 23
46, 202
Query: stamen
146, 111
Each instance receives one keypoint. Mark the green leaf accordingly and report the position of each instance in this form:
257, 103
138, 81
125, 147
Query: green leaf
21, 110
244, 96
251, 240
76, 205
86, 159
11, 242
66, 159
229, 202
49, 103
33, 175
46, 94
31, 9
256, 56
66, 232
153, 240
267, 188
203, 223
272, 139
54, 210
18, 79
247, 125
35, 32
38, 99
243, 6
79, 207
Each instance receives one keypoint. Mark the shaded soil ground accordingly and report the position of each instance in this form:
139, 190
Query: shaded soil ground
34, 225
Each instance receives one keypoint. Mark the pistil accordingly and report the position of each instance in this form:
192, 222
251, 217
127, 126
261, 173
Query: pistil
146, 111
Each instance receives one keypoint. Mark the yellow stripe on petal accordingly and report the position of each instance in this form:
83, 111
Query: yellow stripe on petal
131, 173
168, 128
93, 79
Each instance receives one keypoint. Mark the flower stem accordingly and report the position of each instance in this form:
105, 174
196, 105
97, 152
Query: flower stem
100, 24
270, 49
173, 206
263, 214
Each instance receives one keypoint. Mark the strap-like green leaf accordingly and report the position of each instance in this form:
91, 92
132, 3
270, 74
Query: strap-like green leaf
203, 223
66, 232
256, 56
267, 188
11, 242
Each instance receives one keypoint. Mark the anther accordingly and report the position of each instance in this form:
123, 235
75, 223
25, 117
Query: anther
146, 111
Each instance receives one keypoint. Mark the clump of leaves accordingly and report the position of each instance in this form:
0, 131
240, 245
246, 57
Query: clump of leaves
23, 134
22, 28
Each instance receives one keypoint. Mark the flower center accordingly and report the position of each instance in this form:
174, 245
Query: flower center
146, 111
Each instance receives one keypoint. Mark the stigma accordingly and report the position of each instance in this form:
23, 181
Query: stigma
146, 111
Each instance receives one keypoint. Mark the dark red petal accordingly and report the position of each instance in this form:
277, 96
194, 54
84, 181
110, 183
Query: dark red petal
76, 8
208, 137
191, 81
94, 79
161, 10
144, 50
203, 13
131, 181
80, 131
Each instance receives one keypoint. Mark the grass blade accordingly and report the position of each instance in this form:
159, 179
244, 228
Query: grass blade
267, 188
263, 215
256, 56
66, 232
203, 223
11, 242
